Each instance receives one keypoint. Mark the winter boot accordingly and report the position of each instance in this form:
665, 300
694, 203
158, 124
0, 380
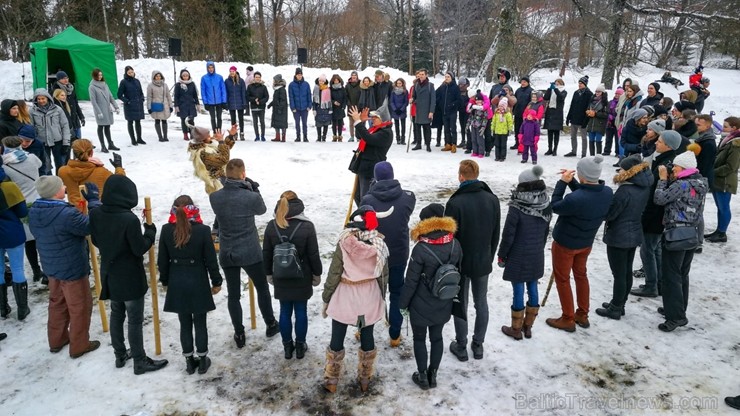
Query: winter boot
515, 330
582, 320
477, 349
598, 148
112, 146
122, 358
453, 148
147, 365
529, 317
458, 350
717, 238
277, 137
164, 132
432, 373
300, 350
288, 347
333, 369
241, 339
591, 148
140, 141
272, 329
447, 147
158, 128
366, 367
241, 136
334, 138
421, 379
185, 136
611, 312
20, 290
204, 363
417, 146
733, 402
37, 273
562, 323
4, 306
133, 140
191, 363
103, 149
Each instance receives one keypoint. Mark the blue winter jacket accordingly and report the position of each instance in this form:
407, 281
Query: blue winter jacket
399, 103
576, 227
11, 228
60, 231
383, 196
212, 87
236, 94
299, 94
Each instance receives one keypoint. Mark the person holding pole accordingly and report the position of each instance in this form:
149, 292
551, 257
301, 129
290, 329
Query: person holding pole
60, 230
115, 230
374, 144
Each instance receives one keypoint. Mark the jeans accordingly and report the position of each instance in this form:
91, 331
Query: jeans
724, 214
233, 115
70, 311
395, 284
534, 298
301, 116
134, 310
57, 153
78, 132
449, 121
187, 322
258, 121
256, 272
676, 268
214, 110
574, 129
420, 346
611, 132
286, 320
15, 255
595, 136
563, 261
499, 143
650, 254
339, 331
479, 286
620, 262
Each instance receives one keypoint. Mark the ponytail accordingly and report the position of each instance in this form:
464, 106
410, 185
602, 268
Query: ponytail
281, 212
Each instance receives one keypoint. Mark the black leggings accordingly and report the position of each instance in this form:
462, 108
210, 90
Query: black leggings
161, 127
420, 346
337, 126
256, 272
339, 331
104, 130
321, 132
233, 114
134, 124
184, 124
258, 120
215, 111
400, 124
553, 138
32, 255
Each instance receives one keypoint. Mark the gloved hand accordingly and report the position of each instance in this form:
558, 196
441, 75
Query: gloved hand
82, 122
502, 93
117, 111
149, 110
323, 311
150, 231
117, 162
501, 263
91, 192
520, 136
255, 186
316, 280
552, 86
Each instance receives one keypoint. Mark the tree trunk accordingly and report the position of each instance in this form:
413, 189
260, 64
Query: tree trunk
674, 38
133, 29
263, 31
147, 34
411, 39
611, 55
365, 36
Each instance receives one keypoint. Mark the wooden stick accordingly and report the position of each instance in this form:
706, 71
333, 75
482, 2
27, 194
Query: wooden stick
549, 286
352, 199
252, 312
153, 281
96, 270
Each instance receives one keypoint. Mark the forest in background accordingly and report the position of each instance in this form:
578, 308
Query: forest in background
437, 35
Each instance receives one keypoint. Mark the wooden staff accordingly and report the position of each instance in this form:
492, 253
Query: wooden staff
96, 269
252, 312
153, 281
352, 199
549, 286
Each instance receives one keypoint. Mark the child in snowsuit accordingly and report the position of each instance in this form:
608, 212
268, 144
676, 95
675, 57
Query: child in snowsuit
501, 125
529, 135
477, 124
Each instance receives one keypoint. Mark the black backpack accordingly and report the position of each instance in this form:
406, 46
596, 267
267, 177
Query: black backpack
285, 261
445, 284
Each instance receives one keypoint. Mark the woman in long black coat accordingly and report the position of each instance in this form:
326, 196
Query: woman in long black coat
186, 259
186, 101
554, 115
293, 293
279, 105
130, 92
434, 232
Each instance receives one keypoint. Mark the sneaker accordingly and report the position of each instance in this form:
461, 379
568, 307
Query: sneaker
459, 351
92, 346
272, 329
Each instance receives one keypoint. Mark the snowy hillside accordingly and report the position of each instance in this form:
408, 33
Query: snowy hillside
613, 368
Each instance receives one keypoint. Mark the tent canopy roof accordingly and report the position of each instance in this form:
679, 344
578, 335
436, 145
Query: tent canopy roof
72, 39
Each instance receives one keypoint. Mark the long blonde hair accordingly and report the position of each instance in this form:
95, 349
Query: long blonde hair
282, 208
59, 92
24, 116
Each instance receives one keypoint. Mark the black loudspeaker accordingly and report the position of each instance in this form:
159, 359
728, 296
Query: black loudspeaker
175, 47
302, 55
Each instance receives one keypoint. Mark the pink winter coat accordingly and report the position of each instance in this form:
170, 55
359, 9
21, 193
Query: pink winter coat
355, 296
486, 106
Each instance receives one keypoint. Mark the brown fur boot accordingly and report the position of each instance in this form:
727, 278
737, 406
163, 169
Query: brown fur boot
333, 369
366, 368
529, 317
515, 330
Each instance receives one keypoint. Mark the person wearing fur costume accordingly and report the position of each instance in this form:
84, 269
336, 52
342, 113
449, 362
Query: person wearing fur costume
434, 236
354, 294
209, 158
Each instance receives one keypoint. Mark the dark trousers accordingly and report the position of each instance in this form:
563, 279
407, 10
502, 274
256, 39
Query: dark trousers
426, 129
32, 255
488, 136
463, 118
134, 126
479, 286
184, 122
258, 121
161, 127
119, 311
336, 127
611, 132
676, 268
339, 331
287, 307
57, 153
256, 272
233, 115
553, 139
651, 256
363, 187
395, 284
104, 131
321, 133
214, 110
420, 346
449, 122
400, 124
499, 143
300, 116
620, 261
187, 322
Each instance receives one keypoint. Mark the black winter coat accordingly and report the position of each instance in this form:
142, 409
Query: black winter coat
449, 99
705, 159
116, 231
70, 120
578, 106
597, 123
367, 99
338, 95
130, 92
631, 139
554, 116
74, 106
307, 247
424, 308
652, 101
376, 147
523, 97
382, 92
279, 105
185, 270
353, 93
476, 210
9, 125
186, 99
623, 226
257, 91
383, 196
652, 215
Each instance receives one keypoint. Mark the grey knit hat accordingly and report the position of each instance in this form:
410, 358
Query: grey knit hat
671, 138
639, 113
531, 175
48, 186
657, 126
589, 168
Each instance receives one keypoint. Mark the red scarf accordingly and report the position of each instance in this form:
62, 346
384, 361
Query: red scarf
191, 211
372, 130
447, 238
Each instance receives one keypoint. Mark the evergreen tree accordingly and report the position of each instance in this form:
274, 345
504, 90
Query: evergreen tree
396, 53
236, 32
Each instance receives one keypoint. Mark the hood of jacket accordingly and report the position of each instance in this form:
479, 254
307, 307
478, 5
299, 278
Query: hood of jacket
638, 175
120, 192
706, 136
154, 74
362, 85
79, 170
430, 225
6, 105
295, 208
386, 190
358, 249
42, 91
209, 63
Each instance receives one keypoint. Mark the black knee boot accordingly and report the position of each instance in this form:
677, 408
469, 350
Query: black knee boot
591, 148
102, 145
598, 148
4, 306
158, 128
20, 290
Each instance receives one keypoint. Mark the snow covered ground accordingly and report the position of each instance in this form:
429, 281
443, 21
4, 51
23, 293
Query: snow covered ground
613, 368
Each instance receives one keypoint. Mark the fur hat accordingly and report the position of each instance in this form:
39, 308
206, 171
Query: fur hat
671, 138
583, 80
657, 126
48, 186
628, 162
589, 168
198, 134
363, 218
383, 171
687, 159
61, 75
432, 210
639, 113
382, 112
505, 72
531, 175
27, 132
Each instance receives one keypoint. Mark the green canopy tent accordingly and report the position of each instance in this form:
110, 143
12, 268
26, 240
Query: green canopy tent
76, 54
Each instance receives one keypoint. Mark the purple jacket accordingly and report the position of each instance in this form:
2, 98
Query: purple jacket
399, 102
530, 132
612, 113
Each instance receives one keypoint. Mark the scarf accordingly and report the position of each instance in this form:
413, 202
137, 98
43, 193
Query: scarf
158, 82
553, 103
13, 156
337, 86
447, 238
375, 239
191, 211
729, 138
184, 84
68, 88
534, 203
10, 194
374, 129
399, 90
501, 114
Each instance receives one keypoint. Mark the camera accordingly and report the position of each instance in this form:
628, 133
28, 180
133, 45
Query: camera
669, 168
